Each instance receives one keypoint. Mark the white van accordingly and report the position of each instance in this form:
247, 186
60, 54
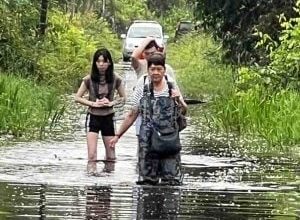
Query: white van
139, 30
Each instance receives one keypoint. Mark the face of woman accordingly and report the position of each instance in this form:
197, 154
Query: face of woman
102, 65
156, 72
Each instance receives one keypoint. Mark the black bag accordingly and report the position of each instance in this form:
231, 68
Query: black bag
165, 145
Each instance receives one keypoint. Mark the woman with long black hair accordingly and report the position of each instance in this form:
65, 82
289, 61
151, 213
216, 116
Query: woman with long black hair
101, 85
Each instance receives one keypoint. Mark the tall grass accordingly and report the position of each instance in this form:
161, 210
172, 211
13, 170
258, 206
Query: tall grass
27, 109
275, 116
199, 71
243, 107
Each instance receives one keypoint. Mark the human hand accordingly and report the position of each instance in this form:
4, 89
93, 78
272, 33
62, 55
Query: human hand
104, 100
175, 93
101, 102
113, 141
109, 104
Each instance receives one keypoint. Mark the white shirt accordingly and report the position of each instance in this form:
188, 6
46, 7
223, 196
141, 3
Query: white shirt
138, 91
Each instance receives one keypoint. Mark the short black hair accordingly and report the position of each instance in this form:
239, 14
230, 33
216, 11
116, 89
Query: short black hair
156, 59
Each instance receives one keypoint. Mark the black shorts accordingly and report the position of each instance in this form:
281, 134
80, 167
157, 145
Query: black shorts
96, 123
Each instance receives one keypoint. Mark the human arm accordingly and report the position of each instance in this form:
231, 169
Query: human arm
122, 95
179, 100
130, 116
80, 92
137, 53
128, 121
79, 98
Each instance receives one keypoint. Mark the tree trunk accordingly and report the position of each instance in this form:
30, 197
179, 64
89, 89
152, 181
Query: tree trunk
43, 17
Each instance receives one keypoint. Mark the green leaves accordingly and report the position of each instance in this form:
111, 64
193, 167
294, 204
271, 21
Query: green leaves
63, 55
196, 59
27, 109
236, 21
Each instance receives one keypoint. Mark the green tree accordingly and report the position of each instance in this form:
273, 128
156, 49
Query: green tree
236, 21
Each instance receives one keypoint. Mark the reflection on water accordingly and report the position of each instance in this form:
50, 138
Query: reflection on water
157, 203
25, 201
52, 180
98, 202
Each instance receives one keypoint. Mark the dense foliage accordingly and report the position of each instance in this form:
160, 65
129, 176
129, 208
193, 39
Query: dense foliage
59, 58
56, 50
284, 68
68, 48
247, 106
266, 98
235, 22
272, 116
199, 70
163, 8
27, 109
18, 22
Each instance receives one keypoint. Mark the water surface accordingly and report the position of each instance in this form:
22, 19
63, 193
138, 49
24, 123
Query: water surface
52, 180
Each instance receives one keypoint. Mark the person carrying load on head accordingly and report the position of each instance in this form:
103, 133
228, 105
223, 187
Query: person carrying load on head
142, 53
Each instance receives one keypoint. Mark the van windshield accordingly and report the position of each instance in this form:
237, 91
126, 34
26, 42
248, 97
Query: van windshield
142, 32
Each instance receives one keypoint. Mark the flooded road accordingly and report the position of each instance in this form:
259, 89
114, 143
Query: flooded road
50, 180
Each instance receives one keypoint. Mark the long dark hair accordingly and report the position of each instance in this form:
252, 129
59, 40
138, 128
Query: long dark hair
109, 73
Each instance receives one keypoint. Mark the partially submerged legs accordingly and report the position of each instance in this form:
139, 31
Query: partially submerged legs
105, 125
154, 170
92, 141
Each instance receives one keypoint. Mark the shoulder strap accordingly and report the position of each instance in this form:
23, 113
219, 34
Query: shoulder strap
170, 85
94, 88
148, 87
110, 87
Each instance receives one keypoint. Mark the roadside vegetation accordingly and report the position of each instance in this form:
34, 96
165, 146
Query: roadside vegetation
27, 109
199, 68
247, 71
258, 98
241, 100
48, 46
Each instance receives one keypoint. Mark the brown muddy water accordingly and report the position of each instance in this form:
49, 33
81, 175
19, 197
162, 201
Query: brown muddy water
51, 180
